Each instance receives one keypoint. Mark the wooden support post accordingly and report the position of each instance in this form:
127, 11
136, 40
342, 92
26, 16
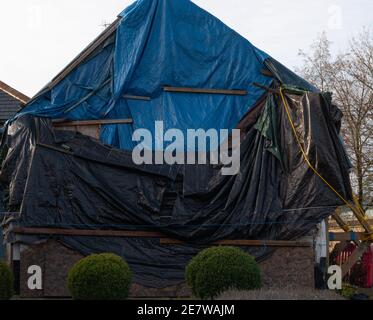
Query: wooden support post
336, 216
361, 217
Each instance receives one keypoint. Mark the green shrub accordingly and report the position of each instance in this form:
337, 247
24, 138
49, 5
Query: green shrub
6, 282
195, 265
100, 277
217, 269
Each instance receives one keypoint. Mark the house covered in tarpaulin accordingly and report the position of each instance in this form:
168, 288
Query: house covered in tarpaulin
75, 189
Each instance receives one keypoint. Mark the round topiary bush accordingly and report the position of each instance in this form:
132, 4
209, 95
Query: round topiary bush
217, 269
100, 277
6, 282
195, 265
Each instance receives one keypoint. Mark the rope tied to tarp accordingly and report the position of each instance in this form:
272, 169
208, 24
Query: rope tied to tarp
357, 209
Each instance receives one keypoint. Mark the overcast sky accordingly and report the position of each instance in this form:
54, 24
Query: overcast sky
39, 37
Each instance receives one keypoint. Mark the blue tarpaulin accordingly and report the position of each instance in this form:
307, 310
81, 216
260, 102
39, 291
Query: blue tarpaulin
159, 43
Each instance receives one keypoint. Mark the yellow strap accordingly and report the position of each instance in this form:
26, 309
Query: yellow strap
308, 161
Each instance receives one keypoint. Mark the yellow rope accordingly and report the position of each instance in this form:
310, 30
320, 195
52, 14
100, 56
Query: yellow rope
310, 164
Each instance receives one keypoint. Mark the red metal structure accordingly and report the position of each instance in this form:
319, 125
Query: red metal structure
361, 273
368, 267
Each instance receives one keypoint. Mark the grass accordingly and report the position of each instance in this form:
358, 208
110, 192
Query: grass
281, 294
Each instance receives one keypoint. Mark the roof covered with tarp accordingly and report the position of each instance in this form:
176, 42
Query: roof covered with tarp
158, 43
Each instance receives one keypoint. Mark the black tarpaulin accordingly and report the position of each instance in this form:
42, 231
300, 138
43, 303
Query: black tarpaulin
62, 179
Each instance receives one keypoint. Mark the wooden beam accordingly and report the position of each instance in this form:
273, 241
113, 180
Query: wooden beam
349, 222
360, 217
269, 243
59, 123
153, 234
85, 232
205, 91
336, 216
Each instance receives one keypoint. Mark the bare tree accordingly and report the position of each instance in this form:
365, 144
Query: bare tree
317, 64
349, 76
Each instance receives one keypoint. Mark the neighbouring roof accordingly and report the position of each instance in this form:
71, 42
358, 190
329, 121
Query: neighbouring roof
14, 93
11, 101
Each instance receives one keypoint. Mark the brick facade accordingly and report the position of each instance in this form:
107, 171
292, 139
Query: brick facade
286, 266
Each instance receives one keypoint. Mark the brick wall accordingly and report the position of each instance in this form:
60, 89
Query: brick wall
287, 266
